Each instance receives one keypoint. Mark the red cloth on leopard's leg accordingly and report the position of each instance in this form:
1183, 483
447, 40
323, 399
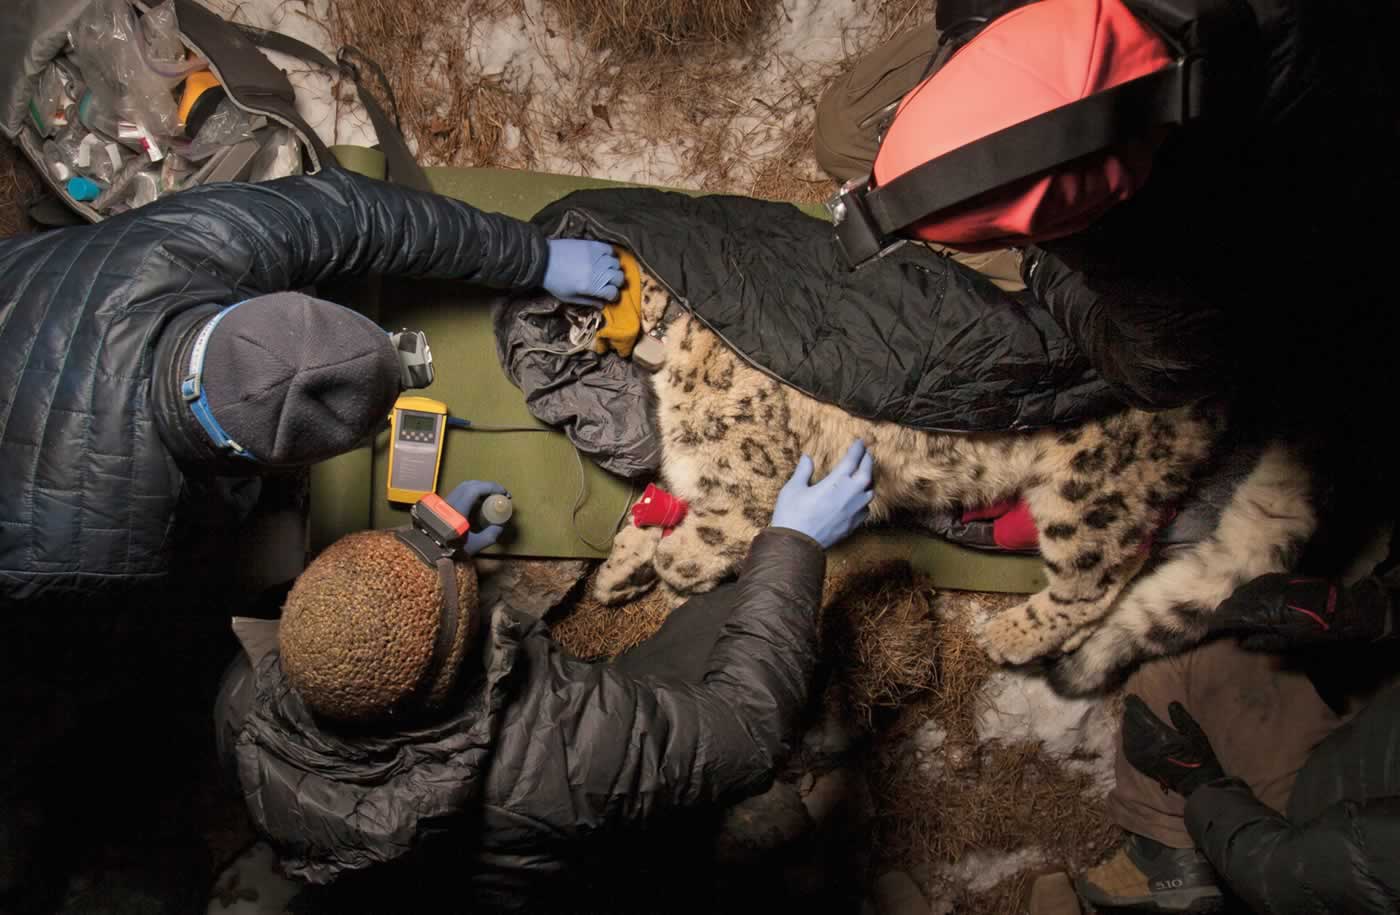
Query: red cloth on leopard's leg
1013, 528
658, 508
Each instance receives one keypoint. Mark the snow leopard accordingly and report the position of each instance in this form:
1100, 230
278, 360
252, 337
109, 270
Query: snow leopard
732, 435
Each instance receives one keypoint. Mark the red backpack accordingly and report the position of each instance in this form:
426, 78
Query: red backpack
1035, 120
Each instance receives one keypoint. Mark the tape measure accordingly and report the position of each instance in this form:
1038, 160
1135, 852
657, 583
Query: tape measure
417, 428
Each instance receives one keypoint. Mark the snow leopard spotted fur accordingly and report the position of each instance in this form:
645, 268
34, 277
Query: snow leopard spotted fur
732, 436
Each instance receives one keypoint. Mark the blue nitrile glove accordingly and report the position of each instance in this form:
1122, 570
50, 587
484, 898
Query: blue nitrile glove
831, 509
582, 272
464, 499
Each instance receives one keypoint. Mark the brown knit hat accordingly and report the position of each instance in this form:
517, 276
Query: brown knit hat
359, 628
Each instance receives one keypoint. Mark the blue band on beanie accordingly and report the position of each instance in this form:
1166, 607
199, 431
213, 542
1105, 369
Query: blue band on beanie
192, 390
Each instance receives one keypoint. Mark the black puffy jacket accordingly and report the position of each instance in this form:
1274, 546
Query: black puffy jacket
1338, 847
542, 751
88, 493
1256, 255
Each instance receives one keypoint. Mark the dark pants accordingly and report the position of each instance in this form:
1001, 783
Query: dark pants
1263, 720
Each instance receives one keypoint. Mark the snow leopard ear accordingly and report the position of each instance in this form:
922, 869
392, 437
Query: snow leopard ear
628, 572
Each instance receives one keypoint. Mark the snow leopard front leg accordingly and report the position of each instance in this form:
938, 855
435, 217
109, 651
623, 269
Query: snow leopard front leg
629, 571
707, 547
731, 499
1106, 486
728, 448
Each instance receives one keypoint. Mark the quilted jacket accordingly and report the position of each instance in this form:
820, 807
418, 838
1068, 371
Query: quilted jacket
544, 763
88, 492
1337, 849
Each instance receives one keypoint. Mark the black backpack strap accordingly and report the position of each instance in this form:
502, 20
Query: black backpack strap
948, 14
402, 167
867, 217
245, 72
1206, 35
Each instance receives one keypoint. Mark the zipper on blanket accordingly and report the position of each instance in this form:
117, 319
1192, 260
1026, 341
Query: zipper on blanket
617, 239
602, 234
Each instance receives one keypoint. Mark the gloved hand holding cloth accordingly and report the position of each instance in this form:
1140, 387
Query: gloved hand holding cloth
582, 272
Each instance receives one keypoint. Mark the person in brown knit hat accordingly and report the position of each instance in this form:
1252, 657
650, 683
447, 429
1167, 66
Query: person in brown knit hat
380, 730
360, 627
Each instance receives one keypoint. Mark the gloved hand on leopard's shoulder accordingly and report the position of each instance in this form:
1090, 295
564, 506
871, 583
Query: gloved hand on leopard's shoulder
830, 509
508, 749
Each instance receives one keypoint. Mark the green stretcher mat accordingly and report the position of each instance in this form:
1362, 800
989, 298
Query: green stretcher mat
541, 469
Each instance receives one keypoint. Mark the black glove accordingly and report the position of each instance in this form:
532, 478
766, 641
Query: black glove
1179, 760
1280, 611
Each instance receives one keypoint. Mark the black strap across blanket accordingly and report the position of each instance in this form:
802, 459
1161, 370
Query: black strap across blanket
913, 338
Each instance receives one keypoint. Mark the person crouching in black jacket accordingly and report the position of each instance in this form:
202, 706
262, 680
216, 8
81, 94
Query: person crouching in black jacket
1250, 765
370, 724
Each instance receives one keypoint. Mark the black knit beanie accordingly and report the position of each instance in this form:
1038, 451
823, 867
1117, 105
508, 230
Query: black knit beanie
294, 380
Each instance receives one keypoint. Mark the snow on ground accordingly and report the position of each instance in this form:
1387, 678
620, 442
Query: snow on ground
530, 54
334, 121
810, 36
980, 871
1080, 732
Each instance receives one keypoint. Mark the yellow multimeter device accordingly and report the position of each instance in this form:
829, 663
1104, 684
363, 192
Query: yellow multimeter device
417, 429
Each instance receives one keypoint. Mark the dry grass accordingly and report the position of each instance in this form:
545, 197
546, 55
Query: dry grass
957, 670
1006, 898
455, 113
879, 632
595, 631
996, 797
19, 188
790, 174
633, 29
696, 86
966, 797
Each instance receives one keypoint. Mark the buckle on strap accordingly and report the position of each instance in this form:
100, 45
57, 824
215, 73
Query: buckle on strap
857, 233
192, 390
442, 558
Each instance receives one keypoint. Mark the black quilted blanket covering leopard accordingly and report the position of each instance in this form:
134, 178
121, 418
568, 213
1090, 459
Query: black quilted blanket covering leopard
912, 338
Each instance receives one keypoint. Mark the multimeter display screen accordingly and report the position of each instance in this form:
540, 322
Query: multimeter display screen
421, 423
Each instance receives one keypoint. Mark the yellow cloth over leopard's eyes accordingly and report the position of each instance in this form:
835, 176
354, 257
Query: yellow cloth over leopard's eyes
622, 320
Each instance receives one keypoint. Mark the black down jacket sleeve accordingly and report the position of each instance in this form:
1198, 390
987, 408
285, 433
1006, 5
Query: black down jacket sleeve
301, 231
1154, 343
606, 750
1347, 859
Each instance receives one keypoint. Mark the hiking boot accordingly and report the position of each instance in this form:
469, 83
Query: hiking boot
1146, 876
